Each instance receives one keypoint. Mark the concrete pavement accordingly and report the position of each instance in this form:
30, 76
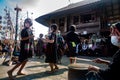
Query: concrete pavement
36, 69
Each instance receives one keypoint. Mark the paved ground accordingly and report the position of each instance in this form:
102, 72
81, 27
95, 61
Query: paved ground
36, 69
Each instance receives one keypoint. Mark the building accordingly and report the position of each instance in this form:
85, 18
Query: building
91, 16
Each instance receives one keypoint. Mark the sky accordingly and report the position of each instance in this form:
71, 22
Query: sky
35, 8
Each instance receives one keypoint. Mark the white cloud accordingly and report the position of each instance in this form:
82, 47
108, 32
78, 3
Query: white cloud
39, 8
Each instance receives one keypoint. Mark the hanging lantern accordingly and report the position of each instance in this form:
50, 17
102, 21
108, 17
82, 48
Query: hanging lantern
4, 22
9, 22
0, 17
0, 27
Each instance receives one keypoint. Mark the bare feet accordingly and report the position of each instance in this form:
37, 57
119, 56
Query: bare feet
19, 73
10, 75
56, 68
51, 71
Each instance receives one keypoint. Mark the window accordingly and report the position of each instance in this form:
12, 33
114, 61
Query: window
53, 21
85, 18
75, 20
61, 21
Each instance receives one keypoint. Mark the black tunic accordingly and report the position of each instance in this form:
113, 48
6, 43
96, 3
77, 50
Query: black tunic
72, 37
26, 46
51, 53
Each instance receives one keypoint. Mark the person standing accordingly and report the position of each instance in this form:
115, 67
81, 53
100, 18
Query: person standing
40, 46
51, 52
26, 47
60, 44
72, 39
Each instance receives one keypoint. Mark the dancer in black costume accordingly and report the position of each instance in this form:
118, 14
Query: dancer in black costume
26, 47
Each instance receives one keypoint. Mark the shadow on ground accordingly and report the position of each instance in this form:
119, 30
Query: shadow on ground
37, 75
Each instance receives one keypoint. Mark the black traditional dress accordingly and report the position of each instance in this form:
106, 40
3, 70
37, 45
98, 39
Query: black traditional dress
51, 53
26, 46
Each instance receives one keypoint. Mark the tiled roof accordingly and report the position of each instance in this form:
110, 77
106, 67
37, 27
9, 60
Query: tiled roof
74, 5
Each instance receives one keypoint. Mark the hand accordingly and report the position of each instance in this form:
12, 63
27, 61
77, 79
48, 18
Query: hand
93, 68
26, 38
45, 40
31, 36
99, 60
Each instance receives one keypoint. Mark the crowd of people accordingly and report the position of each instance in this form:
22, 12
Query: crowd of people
53, 46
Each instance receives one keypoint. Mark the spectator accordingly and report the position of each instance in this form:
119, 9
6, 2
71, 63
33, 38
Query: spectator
111, 73
40, 46
60, 43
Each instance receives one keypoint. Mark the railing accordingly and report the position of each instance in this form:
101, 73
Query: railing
92, 27
90, 24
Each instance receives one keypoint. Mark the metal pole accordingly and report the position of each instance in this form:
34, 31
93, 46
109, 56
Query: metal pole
17, 9
27, 14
